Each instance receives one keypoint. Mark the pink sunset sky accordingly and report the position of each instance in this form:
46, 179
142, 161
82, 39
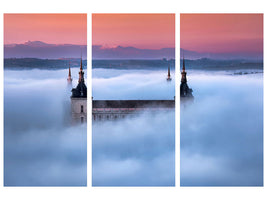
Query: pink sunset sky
144, 31
222, 33
48, 28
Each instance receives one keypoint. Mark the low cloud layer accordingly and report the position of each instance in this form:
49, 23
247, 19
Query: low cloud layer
222, 131
41, 148
135, 152
132, 84
138, 151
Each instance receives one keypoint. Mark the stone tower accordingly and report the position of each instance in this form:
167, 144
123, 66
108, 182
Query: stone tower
79, 100
185, 91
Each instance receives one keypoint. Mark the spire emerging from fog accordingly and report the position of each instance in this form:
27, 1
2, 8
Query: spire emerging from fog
169, 74
69, 77
185, 91
81, 90
184, 80
81, 73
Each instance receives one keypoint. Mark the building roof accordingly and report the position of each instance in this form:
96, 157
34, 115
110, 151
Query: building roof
133, 103
185, 91
81, 90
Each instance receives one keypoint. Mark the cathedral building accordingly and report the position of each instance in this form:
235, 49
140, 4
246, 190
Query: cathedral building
185, 91
79, 100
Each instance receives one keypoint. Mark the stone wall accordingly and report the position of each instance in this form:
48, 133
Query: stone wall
79, 110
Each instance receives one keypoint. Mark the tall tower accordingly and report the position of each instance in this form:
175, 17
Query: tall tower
69, 77
169, 74
185, 91
79, 99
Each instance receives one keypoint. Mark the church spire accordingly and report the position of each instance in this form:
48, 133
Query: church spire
69, 71
185, 91
81, 65
183, 64
81, 73
69, 77
169, 73
183, 80
81, 90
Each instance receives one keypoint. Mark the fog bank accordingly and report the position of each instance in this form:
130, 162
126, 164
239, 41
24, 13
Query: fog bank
222, 131
41, 148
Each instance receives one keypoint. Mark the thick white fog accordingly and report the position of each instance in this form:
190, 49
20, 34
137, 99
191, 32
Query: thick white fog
135, 152
115, 84
222, 131
41, 148
138, 151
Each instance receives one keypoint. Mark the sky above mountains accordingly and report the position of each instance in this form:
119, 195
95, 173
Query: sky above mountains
143, 31
134, 36
48, 28
238, 35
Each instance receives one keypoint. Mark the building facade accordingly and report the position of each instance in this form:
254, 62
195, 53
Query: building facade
106, 110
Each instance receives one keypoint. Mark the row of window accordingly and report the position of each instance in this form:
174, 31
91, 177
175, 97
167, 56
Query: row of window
107, 117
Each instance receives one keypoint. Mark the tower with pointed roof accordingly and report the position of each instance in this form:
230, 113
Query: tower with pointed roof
185, 91
79, 99
169, 74
69, 77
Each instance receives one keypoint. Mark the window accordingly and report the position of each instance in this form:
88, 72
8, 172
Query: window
81, 108
81, 119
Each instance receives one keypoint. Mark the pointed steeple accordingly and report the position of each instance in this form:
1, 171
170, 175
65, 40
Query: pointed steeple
183, 64
69, 71
81, 73
81, 65
81, 90
69, 77
169, 73
183, 80
185, 91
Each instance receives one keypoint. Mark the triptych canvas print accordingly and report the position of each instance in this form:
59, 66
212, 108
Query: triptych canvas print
136, 73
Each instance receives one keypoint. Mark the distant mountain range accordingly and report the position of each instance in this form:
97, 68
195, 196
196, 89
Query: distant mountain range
193, 55
198, 64
37, 63
119, 52
38, 49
